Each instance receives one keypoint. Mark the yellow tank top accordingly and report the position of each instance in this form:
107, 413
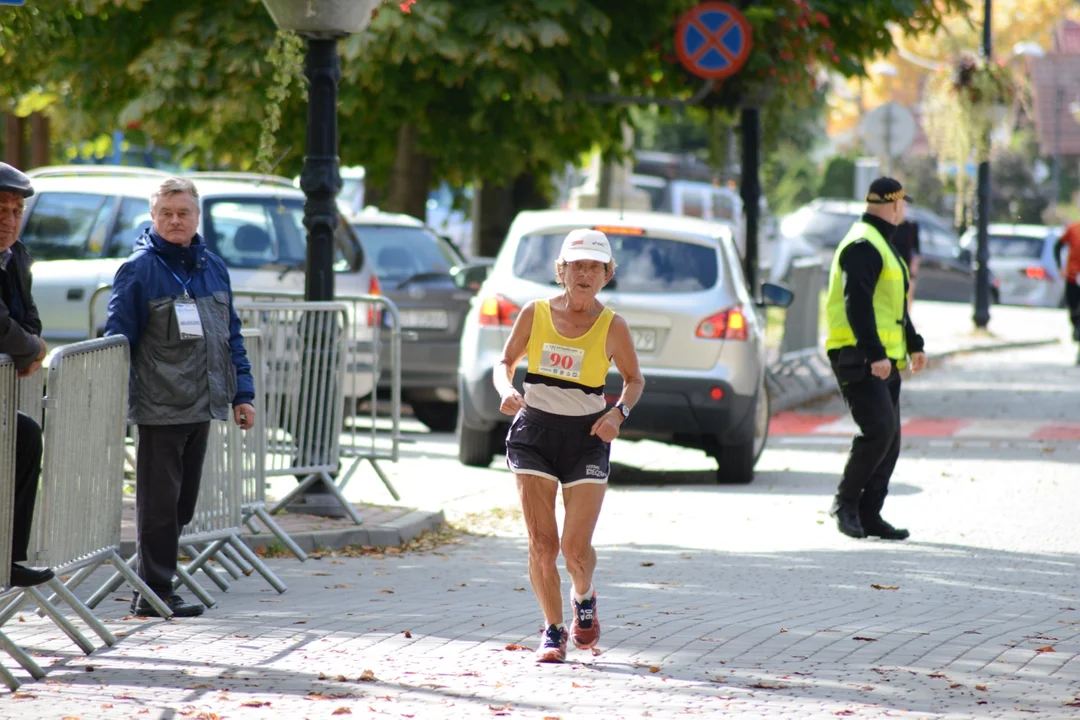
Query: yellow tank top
567, 375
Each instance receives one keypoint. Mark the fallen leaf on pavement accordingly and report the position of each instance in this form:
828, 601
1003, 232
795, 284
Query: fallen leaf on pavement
938, 675
885, 587
843, 712
515, 647
574, 684
23, 696
718, 679
597, 651
647, 564
519, 589
783, 629
1073, 703
342, 711
339, 586
368, 676
768, 686
860, 638
320, 574
408, 634
1048, 648
255, 703
501, 710
654, 669
323, 676
955, 686
386, 592
340, 678
981, 687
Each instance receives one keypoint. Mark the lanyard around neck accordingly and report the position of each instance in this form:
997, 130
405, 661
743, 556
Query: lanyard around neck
186, 284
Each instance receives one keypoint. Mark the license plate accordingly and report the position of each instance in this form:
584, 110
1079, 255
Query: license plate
425, 319
644, 340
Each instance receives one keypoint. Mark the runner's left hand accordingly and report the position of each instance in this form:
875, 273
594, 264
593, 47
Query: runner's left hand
607, 427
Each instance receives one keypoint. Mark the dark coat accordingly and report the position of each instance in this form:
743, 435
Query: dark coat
19, 338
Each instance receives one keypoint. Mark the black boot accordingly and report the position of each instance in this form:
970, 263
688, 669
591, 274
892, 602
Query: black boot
22, 576
847, 519
179, 607
876, 527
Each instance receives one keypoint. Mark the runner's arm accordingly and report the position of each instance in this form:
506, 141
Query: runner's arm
621, 348
516, 348
1058, 247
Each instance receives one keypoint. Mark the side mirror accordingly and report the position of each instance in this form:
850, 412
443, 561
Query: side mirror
470, 277
773, 295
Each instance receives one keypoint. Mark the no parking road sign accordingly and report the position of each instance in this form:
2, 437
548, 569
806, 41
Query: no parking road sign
713, 40
12, 2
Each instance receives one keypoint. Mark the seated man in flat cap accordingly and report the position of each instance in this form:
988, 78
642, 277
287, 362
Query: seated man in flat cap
20, 337
869, 342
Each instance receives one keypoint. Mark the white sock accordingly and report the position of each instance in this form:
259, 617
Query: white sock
581, 598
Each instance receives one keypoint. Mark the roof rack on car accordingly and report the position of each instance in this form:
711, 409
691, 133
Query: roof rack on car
242, 177
95, 170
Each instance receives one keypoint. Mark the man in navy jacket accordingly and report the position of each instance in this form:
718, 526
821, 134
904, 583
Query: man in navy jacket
172, 300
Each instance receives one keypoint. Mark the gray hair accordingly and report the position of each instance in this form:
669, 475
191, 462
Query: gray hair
171, 186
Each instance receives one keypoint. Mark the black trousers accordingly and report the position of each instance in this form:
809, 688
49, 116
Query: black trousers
167, 475
28, 447
875, 406
1072, 299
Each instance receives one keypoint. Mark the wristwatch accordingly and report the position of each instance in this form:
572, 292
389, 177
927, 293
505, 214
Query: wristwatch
624, 410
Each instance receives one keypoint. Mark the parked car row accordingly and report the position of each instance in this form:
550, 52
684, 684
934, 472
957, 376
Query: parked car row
1023, 264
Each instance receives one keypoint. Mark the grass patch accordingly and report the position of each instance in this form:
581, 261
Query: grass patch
424, 543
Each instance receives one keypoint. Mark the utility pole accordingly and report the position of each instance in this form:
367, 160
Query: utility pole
982, 254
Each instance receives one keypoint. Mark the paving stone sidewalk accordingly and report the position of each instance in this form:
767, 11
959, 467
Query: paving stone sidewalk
950, 632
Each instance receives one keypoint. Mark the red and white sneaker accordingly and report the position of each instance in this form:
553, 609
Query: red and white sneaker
585, 630
552, 645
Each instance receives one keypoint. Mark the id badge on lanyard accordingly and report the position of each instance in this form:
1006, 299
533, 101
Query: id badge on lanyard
187, 318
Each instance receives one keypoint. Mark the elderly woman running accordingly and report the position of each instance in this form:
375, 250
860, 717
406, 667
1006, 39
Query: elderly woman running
563, 428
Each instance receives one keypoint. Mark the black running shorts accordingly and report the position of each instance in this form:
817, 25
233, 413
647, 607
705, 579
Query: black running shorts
558, 447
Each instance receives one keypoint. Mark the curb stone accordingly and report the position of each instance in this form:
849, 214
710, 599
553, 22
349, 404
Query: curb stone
395, 533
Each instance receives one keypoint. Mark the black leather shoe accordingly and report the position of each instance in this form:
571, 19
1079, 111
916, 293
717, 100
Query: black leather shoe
880, 529
29, 577
847, 520
179, 607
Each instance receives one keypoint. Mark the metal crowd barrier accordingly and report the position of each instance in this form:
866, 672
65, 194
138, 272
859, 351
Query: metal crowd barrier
233, 458
798, 378
801, 330
373, 332
8, 401
305, 345
78, 513
31, 396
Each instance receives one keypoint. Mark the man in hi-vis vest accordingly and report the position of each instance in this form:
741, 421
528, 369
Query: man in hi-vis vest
870, 340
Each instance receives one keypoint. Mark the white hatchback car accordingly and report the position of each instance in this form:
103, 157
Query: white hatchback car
699, 334
82, 222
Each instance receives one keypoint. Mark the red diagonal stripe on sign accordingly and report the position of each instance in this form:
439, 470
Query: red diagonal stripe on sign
713, 41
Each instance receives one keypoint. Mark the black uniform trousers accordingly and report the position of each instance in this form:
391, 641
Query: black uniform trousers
28, 448
167, 476
875, 406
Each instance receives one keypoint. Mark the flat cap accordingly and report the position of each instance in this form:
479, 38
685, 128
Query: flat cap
13, 180
885, 190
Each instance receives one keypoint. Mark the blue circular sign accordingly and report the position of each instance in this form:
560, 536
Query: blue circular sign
713, 40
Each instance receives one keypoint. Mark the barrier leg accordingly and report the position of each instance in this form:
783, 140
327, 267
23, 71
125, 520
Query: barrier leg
258, 564
283, 536
21, 657
202, 563
296, 491
344, 480
385, 480
82, 611
126, 573
113, 583
345, 504
185, 577
229, 553
249, 521
12, 608
227, 564
8, 679
73, 582
60, 621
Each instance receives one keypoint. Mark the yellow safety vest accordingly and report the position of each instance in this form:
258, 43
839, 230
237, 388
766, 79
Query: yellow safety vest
890, 300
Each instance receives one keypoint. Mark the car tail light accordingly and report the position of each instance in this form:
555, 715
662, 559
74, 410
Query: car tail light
725, 325
1036, 272
717, 393
374, 316
498, 311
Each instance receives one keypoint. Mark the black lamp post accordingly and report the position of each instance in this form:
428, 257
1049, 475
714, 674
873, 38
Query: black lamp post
982, 252
322, 23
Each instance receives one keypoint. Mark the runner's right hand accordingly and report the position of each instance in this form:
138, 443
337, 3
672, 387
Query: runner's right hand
511, 403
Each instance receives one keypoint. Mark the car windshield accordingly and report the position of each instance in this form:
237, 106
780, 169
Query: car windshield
645, 264
398, 253
824, 227
1015, 246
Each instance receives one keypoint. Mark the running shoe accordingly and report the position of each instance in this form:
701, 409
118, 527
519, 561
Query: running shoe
552, 645
585, 630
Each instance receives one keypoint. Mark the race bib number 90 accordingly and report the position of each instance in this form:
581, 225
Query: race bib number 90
561, 361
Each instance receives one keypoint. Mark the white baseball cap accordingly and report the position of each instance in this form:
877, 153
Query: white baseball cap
586, 245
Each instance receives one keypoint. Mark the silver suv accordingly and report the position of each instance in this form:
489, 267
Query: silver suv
699, 333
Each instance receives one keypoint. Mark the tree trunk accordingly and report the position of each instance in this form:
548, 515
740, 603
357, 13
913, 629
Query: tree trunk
496, 206
410, 178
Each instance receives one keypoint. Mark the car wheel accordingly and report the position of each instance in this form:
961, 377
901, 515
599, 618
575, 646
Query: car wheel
736, 462
476, 448
761, 421
437, 416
